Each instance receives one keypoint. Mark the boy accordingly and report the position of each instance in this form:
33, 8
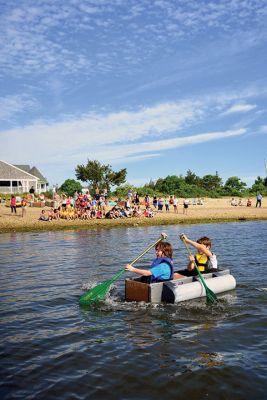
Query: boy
204, 258
161, 268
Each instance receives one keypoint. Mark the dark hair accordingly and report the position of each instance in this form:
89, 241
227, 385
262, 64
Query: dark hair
165, 247
204, 240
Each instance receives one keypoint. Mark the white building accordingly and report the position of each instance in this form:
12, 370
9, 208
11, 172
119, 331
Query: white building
20, 179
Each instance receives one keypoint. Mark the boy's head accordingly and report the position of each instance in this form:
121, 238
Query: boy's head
166, 248
205, 240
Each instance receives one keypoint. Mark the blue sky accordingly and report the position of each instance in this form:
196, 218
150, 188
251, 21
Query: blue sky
154, 86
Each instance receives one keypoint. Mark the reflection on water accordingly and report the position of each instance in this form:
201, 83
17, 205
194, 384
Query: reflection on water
52, 348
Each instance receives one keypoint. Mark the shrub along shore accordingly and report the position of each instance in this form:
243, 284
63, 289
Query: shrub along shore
213, 210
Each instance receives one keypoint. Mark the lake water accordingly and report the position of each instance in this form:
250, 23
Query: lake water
51, 348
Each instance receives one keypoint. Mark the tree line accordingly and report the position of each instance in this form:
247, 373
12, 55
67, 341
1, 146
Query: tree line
102, 176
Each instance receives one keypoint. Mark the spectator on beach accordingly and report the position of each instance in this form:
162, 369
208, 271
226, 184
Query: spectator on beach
147, 200
137, 212
136, 199
13, 204
240, 203
23, 206
249, 203
167, 204
175, 205
160, 203
258, 200
186, 205
43, 216
32, 191
233, 202
130, 195
155, 201
148, 213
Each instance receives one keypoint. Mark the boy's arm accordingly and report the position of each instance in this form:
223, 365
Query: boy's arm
144, 272
191, 263
198, 246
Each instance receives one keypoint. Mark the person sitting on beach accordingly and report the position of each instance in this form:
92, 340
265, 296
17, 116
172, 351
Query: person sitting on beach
43, 216
51, 213
137, 212
148, 213
205, 260
233, 202
240, 203
56, 213
249, 203
161, 268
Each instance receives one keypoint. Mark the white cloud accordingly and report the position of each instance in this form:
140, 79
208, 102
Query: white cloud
34, 34
11, 105
263, 129
240, 108
123, 136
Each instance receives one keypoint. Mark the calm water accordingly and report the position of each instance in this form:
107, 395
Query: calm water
53, 349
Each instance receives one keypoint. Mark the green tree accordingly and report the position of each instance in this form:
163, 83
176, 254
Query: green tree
169, 185
70, 186
259, 185
211, 182
101, 176
191, 178
234, 186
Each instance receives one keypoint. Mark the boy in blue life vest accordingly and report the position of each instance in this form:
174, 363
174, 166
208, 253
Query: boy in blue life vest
161, 268
204, 258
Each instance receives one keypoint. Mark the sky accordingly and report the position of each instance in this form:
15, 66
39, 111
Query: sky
158, 87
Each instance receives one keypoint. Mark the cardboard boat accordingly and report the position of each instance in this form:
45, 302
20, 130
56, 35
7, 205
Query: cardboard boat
178, 290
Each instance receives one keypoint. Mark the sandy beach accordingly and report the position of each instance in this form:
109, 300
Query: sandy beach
213, 210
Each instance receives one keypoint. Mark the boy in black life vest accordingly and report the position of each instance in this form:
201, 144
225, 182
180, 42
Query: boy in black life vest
204, 258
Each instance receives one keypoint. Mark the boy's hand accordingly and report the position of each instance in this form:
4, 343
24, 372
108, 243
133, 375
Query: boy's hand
129, 267
183, 237
163, 235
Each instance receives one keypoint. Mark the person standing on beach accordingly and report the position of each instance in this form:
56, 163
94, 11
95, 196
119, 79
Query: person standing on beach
13, 204
186, 205
175, 205
23, 207
258, 200
31, 191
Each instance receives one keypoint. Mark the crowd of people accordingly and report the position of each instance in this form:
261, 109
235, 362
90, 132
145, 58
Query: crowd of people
85, 206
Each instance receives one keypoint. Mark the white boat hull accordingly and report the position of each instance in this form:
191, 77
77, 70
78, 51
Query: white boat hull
178, 290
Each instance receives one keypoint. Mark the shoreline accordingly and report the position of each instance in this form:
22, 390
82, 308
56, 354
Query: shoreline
213, 211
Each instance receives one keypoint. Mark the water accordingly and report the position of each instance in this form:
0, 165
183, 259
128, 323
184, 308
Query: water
52, 348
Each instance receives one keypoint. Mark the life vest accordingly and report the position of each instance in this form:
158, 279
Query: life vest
158, 261
203, 262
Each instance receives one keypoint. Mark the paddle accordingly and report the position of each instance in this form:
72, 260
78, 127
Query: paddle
211, 297
100, 291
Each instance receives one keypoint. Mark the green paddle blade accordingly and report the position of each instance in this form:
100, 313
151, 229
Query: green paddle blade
211, 297
97, 293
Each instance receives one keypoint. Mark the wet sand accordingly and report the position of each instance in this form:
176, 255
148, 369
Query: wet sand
213, 210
